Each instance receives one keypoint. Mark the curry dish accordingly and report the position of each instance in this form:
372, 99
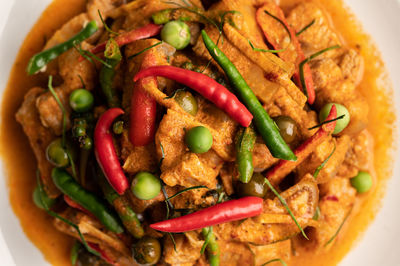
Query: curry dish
231, 132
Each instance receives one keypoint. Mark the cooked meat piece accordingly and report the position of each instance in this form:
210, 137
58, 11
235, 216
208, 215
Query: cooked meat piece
317, 37
193, 199
140, 158
322, 152
68, 30
325, 72
352, 65
360, 156
94, 232
198, 169
228, 174
275, 224
77, 74
71, 71
102, 6
345, 93
282, 104
338, 197
188, 246
235, 253
262, 157
39, 137
266, 253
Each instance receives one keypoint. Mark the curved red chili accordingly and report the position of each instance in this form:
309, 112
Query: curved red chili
206, 86
137, 34
143, 106
224, 212
102, 253
105, 151
283, 168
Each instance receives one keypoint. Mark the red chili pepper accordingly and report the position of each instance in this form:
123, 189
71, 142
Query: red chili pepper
262, 18
144, 107
207, 87
283, 168
105, 151
128, 37
224, 212
102, 253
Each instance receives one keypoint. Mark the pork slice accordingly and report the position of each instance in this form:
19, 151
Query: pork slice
234, 253
325, 72
137, 158
337, 199
360, 155
320, 35
344, 92
274, 224
266, 253
352, 65
283, 104
75, 75
179, 166
39, 137
187, 251
321, 153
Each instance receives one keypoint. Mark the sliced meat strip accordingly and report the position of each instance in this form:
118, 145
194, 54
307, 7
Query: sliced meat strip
39, 137
275, 224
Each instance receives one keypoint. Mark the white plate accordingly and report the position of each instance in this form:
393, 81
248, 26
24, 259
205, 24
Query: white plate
379, 245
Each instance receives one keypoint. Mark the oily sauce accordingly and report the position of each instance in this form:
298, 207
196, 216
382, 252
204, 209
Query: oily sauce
16, 152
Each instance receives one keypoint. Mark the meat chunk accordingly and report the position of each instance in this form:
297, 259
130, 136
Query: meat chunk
235, 253
325, 72
75, 75
337, 199
140, 158
262, 157
187, 251
352, 65
94, 232
345, 93
179, 166
317, 37
39, 137
282, 104
266, 253
322, 152
360, 155
274, 224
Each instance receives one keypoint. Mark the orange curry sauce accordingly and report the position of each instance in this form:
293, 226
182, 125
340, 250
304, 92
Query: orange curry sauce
15, 150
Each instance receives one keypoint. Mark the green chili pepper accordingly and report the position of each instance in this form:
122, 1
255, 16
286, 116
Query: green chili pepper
121, 205
262, 121
40, 60
113, 56
246, 138
65, 182
212, 246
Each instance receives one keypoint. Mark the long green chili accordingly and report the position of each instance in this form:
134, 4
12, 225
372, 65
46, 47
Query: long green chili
246, 138
113, 56
262, 121
212, 246
40, 60
67, 185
